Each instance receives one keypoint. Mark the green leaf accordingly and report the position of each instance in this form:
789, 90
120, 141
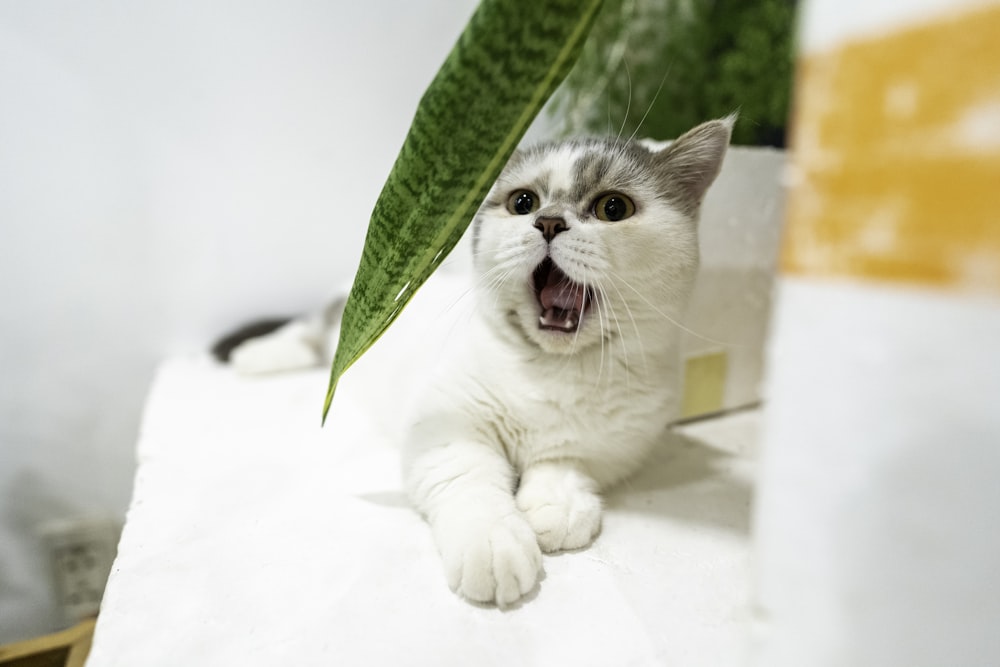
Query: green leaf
505, 65
659, 67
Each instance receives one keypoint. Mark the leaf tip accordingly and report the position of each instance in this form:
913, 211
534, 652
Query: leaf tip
327, 402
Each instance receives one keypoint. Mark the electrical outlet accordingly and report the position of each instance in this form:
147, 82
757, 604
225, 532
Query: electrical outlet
81, 553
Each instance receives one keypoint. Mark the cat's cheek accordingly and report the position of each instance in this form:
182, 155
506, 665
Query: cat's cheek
508, 248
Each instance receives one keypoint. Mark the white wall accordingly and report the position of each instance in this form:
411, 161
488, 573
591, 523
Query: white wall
168, 170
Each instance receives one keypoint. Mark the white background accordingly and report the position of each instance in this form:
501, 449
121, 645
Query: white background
168, 170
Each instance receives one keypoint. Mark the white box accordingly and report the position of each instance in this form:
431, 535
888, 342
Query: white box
728, 316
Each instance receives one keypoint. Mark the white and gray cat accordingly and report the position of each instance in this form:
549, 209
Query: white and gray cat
585, 253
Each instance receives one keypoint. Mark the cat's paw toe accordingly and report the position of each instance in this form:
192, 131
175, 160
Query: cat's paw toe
561, 518
499, 565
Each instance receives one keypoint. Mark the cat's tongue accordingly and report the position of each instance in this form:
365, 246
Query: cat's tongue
562, 301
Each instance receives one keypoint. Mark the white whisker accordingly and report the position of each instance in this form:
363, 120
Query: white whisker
650, 107
600, 326
605, 307
635, 325
618, 328
672, 320
628, 104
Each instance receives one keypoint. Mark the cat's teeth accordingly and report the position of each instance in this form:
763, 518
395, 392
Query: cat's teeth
559, 319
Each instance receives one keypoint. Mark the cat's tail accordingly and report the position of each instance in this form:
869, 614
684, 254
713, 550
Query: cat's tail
278, 345
223, 348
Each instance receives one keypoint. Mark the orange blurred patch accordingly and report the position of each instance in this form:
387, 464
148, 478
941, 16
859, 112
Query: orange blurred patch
897, 157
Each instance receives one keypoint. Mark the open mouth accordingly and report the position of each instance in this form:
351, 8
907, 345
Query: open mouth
563, 302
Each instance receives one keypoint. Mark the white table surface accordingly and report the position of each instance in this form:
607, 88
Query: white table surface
256, 538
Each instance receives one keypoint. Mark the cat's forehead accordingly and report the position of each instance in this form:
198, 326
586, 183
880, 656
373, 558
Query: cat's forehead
548, 165
575, 167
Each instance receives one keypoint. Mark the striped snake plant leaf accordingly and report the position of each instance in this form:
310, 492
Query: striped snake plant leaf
505, 65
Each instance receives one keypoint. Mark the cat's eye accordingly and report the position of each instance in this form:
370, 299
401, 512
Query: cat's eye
613, 207
522, 202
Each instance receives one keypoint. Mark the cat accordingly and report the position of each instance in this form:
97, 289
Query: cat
584, 255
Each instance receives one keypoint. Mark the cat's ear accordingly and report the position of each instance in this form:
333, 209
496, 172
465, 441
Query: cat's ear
691, 163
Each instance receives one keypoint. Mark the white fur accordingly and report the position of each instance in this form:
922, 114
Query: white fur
521, 427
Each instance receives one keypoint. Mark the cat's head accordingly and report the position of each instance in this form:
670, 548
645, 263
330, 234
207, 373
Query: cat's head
594, 240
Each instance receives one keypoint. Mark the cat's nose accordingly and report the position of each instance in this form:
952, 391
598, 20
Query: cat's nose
549, 227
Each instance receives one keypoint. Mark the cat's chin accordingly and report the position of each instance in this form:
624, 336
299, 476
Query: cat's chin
555, 339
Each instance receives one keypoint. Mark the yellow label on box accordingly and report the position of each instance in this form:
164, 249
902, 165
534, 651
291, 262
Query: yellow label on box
704, 384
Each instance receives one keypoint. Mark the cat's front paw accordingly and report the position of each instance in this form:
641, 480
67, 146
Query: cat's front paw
496, 563
561, 506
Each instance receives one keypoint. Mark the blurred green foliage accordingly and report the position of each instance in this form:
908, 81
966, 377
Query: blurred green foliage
663, 66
